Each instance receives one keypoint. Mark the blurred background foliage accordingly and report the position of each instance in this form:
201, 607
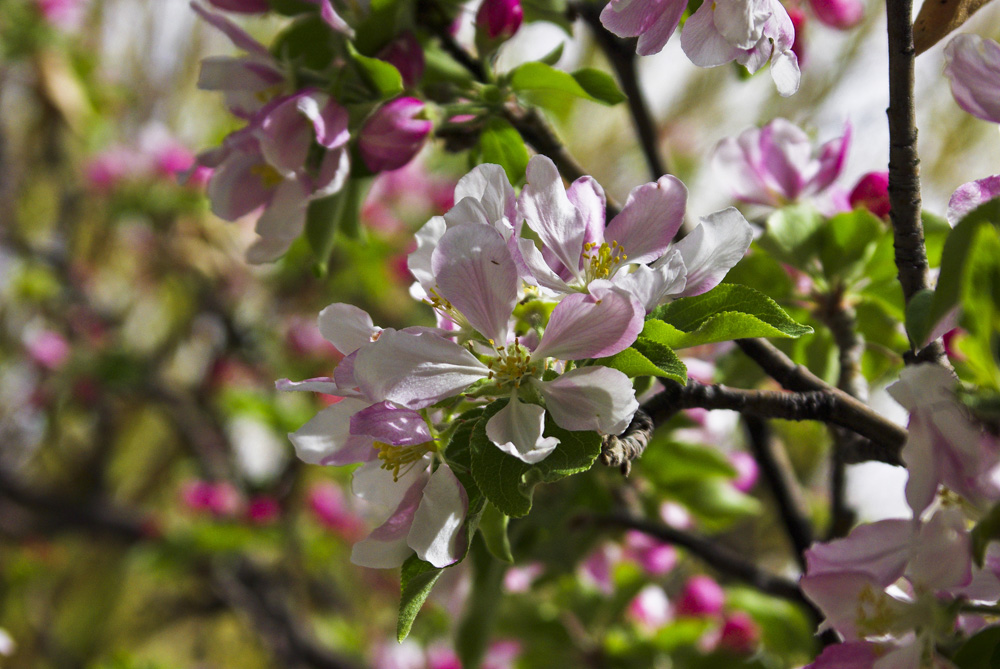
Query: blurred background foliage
152, 513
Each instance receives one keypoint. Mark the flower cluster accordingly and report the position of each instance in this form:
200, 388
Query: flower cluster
519, 326
296, 146
894, 589
750, 32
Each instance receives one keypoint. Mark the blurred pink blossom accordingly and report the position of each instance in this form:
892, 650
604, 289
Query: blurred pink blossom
596, 568
47, 348
328, 504
263, 510
775, 165
650, 609
701, 596
519, 579
968, 197
393, 135
655, 557
840, 14
64, 14
406, 55
502, 654
219, 498
746, 470
740, 633
972, 64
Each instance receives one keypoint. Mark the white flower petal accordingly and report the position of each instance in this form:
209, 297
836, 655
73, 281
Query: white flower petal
346, 326
437, 524
711, 250
590, 398
415, 371
517, 430
326, 438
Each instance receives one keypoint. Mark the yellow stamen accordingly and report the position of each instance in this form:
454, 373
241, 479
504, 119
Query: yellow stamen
396, 458
269, 176
602, 261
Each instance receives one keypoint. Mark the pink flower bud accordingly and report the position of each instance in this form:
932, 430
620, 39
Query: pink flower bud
740, 634
393, 135
655, 557
799, 21
519, 579
241, 6
702, 596
840, 14
263, 510
220, 498
406, 55
499, 19
746, 471
872, 193
62, 13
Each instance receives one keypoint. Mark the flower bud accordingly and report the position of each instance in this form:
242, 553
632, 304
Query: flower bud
393, 135
702, 596
747, 471
740, 634
241, 6
406, 55
499, 19
872, 193
840, 14
799, 21
650, 609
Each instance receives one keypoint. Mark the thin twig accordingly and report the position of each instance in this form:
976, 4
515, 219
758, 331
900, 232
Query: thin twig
718, 557
621, 55
780, 479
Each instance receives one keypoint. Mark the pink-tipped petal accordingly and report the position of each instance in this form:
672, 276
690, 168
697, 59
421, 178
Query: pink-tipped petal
651, 217
593, 325
327, 440
517, 430
590, 398
437, 523
713, 248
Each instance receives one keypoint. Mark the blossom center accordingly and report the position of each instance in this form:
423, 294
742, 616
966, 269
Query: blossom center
600, 262
401, 459
268, 176
510, 365
873, 615
446, 309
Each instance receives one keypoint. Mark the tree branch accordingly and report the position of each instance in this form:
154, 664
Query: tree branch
780, 478
722, 559
904, 166
836, 408
621, 55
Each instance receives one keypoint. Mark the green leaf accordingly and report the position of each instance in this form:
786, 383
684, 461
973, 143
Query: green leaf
306, 42
980, 315
481, 608
416, 581
326, 216
540, 84
500, 143
792, 235
918, 313
552, 57
728, 311
982, 651
508, 483
953, 260
647, 358
382, 78
600, 86
985, 532
291, 7
493, 526
847, 241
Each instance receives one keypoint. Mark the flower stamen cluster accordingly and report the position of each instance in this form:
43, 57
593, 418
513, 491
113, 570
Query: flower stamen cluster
511, 365
604, 262
396, 458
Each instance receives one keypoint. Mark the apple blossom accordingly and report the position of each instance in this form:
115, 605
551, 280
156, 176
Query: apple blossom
650, 609
580, 252
499, 19
652, 22
969, 196
751, 32
774, 165
701, 596
393, 135
740, 634
840, 14
945, 446
972, 64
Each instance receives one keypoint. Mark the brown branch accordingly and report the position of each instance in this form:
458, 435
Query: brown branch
904, 166
780, 478
886, 438
723, 560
